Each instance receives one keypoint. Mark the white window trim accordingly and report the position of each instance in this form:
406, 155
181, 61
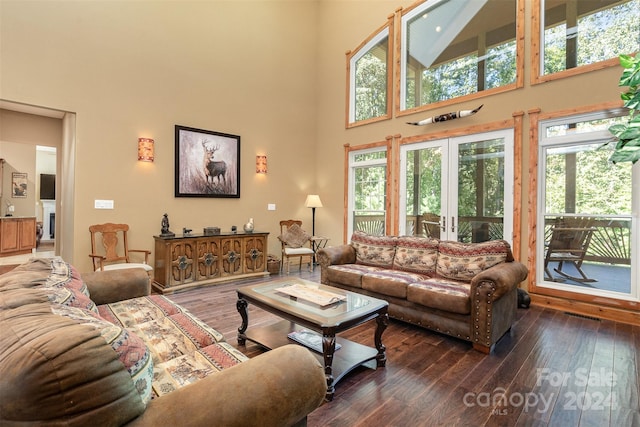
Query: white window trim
353, 164
585, 138
352, 70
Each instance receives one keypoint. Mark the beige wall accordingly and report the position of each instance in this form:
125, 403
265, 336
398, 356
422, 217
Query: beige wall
134, 69
270, 71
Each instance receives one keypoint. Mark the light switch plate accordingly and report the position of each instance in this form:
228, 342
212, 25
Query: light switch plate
271, 207
103, 204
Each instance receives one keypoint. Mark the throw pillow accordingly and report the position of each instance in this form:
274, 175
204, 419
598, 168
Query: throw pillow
376, 251
462, 261
294, 237
416, 255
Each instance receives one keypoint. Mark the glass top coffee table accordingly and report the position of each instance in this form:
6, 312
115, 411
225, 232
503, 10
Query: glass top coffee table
315, 313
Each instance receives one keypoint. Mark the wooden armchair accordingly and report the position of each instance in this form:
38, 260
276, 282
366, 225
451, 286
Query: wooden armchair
110, 250
295, 242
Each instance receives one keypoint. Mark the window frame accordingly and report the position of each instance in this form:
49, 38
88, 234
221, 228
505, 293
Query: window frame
349, 165
535, 281
386, 30
400, 72
537, 57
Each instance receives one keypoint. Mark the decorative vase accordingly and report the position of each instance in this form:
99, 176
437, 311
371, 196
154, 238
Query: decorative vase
248, 227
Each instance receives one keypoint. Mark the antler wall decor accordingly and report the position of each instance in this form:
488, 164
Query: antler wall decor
448, 116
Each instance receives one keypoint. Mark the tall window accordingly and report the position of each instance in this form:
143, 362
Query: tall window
455, 48
579, 33
586, 210
368, 199
369, 73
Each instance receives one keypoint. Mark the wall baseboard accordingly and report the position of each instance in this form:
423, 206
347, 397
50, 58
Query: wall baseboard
587, 309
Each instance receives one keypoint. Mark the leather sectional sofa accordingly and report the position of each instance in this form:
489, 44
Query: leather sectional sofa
99, 350
466, 290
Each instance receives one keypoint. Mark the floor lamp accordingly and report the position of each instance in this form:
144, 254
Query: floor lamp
313, 202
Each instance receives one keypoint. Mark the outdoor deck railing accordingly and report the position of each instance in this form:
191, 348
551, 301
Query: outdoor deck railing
370, 222
610, 243
611, 239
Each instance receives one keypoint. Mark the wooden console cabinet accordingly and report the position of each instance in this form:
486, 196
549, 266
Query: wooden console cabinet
188, 261
17, 235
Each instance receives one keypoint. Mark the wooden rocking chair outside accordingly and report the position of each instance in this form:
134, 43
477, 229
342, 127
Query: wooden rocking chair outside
431, 225
110, 249
568, 245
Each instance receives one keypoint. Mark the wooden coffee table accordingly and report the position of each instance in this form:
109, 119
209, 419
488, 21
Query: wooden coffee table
327, 320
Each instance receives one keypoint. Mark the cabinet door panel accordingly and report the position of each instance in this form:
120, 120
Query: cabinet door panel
27, 231
182, 262
208, 258
231, 256
254, 254
10, 235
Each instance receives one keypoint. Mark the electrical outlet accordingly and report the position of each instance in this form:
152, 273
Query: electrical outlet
103, 204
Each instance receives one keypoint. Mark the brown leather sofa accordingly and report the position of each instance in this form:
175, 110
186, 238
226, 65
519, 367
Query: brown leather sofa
468, 291
63, 363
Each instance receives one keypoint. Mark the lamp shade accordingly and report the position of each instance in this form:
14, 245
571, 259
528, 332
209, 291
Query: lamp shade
145, 149
313, 201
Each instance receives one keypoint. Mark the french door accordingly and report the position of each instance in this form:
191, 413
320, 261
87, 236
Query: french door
458, 188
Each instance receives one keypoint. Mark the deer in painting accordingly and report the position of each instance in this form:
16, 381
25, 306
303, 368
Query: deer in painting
213, 169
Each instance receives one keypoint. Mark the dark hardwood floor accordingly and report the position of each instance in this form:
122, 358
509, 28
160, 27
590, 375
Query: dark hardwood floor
553, 369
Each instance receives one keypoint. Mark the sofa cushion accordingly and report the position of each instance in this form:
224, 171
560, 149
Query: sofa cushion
131, 350
134, 311
462, 261
60, 280
389, 282
349, 274
172, 336
189, 368
69, 297
416, 255
442, 294
18, 279
45, 366
377, 251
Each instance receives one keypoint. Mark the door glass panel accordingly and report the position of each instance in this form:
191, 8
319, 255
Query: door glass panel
481, 191
423, 192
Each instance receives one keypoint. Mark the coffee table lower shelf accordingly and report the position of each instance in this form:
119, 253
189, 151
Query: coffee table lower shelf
348, 357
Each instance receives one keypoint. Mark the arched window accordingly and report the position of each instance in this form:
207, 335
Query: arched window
370, 78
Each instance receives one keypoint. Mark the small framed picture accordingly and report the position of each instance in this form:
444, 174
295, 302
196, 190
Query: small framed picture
207, 163
19, 185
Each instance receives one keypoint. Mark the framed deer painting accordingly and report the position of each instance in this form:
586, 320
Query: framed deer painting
207, 163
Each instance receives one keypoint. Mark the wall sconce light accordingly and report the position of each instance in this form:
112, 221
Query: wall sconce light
261, 164
145, 150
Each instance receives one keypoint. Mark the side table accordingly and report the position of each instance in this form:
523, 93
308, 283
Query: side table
318, 242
